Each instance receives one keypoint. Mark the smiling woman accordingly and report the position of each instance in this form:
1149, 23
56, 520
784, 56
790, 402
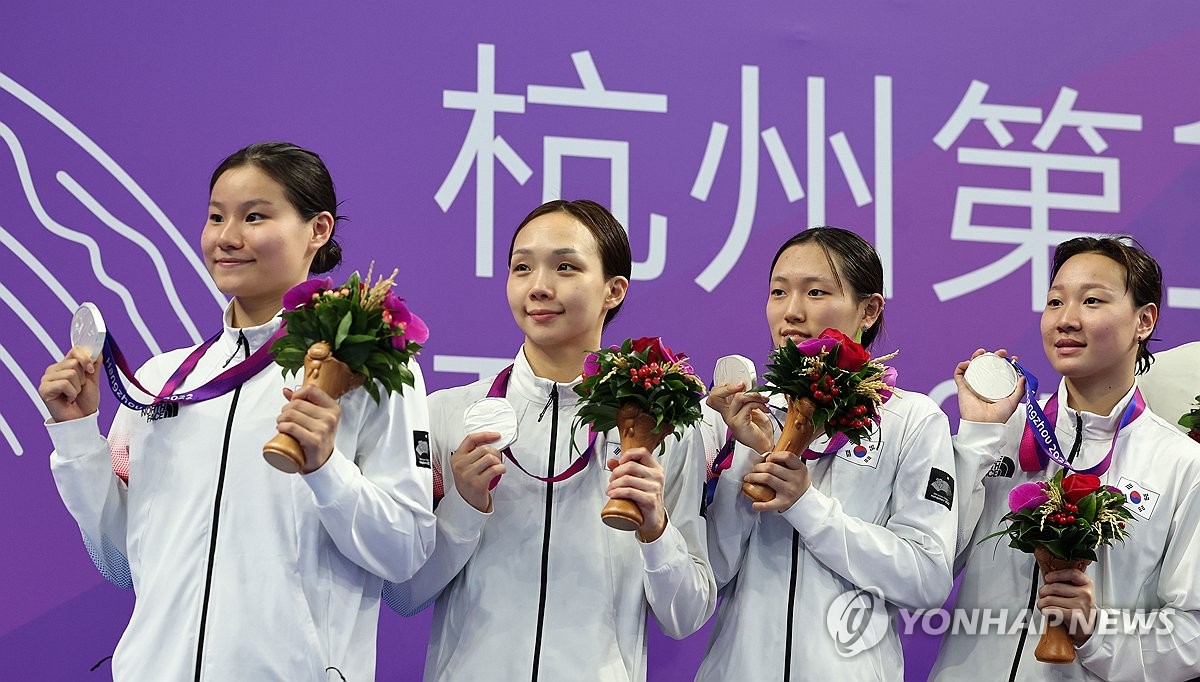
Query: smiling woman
529, 540
195, 517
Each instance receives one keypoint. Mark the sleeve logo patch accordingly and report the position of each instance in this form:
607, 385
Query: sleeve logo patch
421, 447
940, 488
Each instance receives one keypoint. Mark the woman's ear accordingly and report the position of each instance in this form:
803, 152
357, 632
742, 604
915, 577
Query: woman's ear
1147, 318
616, 288
322, 231
872, 309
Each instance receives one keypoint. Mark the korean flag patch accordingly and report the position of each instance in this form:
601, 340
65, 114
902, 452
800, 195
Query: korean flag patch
863, 454
612, 450
421, 447
940, 488
1138, 498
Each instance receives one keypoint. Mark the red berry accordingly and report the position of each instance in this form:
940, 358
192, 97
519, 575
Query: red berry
1070, 519
818, 395
836, 391
814, 388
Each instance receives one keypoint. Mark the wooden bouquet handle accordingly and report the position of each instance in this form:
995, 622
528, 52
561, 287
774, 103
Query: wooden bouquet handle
1055, 646
798, 433
636, 429
329, 374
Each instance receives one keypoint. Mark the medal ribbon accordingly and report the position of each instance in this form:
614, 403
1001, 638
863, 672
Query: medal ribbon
116, 366
499, 389
1039, 445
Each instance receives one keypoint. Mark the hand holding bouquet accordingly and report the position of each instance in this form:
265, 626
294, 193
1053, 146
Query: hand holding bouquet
645, 391
344, 337
833, 386
1062, 522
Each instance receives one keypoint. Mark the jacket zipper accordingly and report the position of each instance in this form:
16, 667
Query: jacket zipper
1012, 675
541, 617
212, 545
791, 607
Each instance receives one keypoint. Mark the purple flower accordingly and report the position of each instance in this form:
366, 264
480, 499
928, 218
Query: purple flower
1027, 496
889, 378
813, 347
301, 295
407, 324
591, 365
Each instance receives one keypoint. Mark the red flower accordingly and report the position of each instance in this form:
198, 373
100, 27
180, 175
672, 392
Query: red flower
1078, 486
851, 356
658, 351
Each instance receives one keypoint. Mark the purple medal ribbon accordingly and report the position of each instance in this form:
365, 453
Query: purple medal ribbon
116, 366
1039, 445
499, 389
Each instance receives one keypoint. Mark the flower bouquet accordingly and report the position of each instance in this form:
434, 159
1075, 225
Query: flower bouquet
832, 385
1063, 522
1191, 421
344, 337
646, 392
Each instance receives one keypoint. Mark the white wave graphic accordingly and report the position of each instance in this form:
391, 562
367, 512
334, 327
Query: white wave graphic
106, 263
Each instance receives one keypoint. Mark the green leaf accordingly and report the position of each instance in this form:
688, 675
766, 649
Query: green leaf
1087, 508
343, 330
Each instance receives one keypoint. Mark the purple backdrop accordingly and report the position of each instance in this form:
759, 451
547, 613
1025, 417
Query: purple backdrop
962, 140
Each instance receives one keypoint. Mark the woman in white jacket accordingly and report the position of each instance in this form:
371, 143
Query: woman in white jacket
529, 584
243, 572
1100, 313
811, 580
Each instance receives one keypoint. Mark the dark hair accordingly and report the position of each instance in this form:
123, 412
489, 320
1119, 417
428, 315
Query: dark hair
856, 261
611, 240
1143, 276
306, 184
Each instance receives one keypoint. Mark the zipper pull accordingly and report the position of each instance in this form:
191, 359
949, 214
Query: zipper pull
553, 398
241, 341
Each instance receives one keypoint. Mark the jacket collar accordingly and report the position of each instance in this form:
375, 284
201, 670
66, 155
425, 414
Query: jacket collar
255, 336
1095, 426
529, 386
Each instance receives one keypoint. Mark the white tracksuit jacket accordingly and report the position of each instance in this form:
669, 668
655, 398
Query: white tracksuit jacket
1156, 569
243, 572
540, 588
878, 518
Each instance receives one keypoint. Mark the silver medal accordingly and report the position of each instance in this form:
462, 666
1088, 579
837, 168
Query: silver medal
492, 414
87, 329
991, 377
733, 369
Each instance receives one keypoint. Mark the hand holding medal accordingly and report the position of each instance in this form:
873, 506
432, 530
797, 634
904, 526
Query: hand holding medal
344, 337
494, 415
833, 386
991, 382
67, 387
645, 391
